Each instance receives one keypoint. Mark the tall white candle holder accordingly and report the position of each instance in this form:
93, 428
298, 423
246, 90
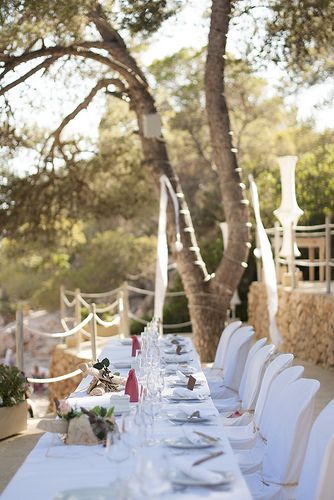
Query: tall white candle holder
289, 212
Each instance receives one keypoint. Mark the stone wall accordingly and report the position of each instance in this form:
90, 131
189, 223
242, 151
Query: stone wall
305, 320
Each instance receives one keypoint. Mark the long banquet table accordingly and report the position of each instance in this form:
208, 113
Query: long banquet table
53, 467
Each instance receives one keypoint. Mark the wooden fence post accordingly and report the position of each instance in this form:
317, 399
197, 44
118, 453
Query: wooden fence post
62, 303
77, 317
328, 254
124, 310
19, 338
93, 333
62, 306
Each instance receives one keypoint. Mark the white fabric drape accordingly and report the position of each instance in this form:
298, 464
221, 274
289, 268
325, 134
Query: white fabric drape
269, 272
161, 272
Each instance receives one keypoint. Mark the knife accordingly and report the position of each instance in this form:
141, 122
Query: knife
206, 436
208, 457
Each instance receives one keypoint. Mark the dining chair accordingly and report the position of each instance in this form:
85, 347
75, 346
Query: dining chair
274, 368
250, 458
216, 371
317, 476
246, 399
238, 349
216, 385
287, 441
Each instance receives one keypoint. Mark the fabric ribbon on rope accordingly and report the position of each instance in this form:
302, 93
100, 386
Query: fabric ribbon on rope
161, 272
269, 272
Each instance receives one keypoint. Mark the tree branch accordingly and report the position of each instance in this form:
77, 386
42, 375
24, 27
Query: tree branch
45, 64
115, 42
59, 51
103, 83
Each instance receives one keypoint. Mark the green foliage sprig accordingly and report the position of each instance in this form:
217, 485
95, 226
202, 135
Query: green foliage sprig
13, 386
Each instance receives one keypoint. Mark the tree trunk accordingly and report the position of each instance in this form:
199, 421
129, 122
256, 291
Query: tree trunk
234, 261
208, 297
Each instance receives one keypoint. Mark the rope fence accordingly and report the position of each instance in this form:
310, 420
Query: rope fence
121, 306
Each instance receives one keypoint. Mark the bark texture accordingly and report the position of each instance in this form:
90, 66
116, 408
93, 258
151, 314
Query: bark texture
208, 296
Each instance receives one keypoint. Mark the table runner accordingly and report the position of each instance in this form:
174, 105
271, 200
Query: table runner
53, 467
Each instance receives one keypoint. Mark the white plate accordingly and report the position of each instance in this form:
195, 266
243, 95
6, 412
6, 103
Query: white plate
184, 420
176, 362
185, 444
173, 351
122, 364
126, 341
188, 400
178, 383
86, 494
184, 480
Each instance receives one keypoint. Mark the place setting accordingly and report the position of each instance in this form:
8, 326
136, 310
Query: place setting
186, 415
192, 440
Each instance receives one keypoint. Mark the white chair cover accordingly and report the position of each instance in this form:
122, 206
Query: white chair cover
253, 350
290, 428
317, 477
275, 367
286, 446
236, 356
278, 386
250, 460
235, 361
245, 436
215, 385
254, 377
223, 344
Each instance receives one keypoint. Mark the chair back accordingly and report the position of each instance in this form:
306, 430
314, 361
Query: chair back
274, 368
255, 347
255, 373
277, 386
223, 344
289, 432
236, 356
317, 477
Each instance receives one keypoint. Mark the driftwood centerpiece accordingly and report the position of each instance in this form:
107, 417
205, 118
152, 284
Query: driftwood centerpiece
84, 427
103, 379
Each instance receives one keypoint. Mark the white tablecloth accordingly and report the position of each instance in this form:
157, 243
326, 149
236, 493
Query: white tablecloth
53, 467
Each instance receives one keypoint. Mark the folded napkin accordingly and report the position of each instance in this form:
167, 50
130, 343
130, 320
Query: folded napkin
192, 437
89, 402
173, 367
182, 392
181, 377
131, 387
135, 345
200, 474
203, 412
178, 358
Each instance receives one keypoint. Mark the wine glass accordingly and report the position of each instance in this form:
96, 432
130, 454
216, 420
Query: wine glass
116, 451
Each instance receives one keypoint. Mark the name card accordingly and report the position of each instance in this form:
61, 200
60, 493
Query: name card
178, 349
191, 383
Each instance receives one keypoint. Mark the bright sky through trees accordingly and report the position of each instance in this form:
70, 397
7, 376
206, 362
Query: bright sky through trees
188, 29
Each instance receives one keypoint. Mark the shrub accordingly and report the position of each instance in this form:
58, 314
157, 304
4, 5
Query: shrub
13, 386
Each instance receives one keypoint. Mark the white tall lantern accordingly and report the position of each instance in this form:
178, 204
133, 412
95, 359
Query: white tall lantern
289, 212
